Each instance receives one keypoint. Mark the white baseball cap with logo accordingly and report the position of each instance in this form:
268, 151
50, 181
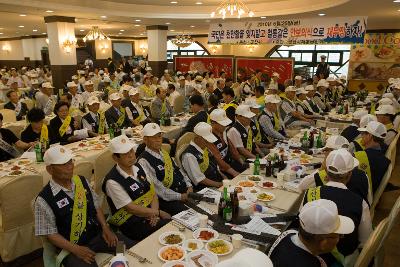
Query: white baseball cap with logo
46, 85
341, 161
388, 95
309, 88
375, 128
330, 79
115, 96
252, 102
336, 142
182, 78
274, 99
121, 145
321, 217
275, 74
57, 154
358, 114
219, 115
385, 110
71, 84
151, 129
290, 89
301, 91
322, 83
385, 101
298, 77
106, 79
244, 110
247, 257
133, 91
204, 130
74, 77
89, 82
126, 87
35, 81
93, 100
366, 119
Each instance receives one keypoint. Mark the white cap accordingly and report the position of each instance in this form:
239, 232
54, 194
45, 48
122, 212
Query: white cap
149, 69
81, 71
45, 85
151, 129
300, 91
375, 128
290, 89
115, 96
219, 115
298, 77
106, 79
391, 80
57, 155
366, 119
178, 73
35, 81
244, 110
274, 99
121, 144
322, 83
247, 257
182, 78
205, 130
358, 114
126, 87
388, 95
340, 161
336, 142
71, 84
133, 91
92, 100
330, 79
198, 78
91, 73
101, 71
89, 82
74, 77
165, 71
343, 77
385, 110
275, 74
309, 88
321, 217
252, 102
385, 101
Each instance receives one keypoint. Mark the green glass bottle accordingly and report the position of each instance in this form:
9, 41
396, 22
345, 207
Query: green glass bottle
256, 169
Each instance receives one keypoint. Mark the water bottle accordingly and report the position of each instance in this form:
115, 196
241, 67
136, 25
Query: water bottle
111, 131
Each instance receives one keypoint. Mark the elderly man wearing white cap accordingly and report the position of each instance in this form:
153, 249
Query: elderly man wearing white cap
116, 115
131, 195
197, 160
351, 132
323, 68
44, 99
171, 183
94, 121
358, 183
298, 82
302, 105
321, 226
135, 112
76, 102
161, 110
271, 124
339, 166
357, 143
320, 98
332, 91
89, 91
385, 115
69, 216
75, 80
274, 81
290, 115
372, 159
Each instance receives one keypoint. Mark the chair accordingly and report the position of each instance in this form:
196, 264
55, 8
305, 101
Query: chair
29, 103
178, 104
102, 165
17, 220
392, 149
85, 169
178, 154
381, 189
372, 246
16, 129
392, 218
8, 115
185, 139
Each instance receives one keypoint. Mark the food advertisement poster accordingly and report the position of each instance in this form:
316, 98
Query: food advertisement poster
377, 59
246, 66
289, 31
202, 64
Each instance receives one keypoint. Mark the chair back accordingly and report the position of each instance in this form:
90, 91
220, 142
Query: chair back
178, 104
178, 154
185, 139
16, 129
85, 169
392, 218
103, 164
381, 189
8, 115
371, 247
29, 103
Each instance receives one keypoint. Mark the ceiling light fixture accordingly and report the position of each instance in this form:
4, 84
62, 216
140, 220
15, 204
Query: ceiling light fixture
321, 14
182, 40
199, 3
44, 33
22, 15
95, 34
138, 20
81, 30
171, 30
69, 44
1, 33
174, 2
120, 33
233, 8
396, 1
167, 23
121, 30
34, 30
263, 17
192, 26
137, 25
103, 17
49, 11
21, 26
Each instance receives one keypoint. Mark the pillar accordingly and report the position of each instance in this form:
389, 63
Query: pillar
62, 58
157, 48
103, 50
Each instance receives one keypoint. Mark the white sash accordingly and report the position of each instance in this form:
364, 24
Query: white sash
8, 148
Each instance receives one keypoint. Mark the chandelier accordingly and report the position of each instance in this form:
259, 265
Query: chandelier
183, 40
95, 34
233, 8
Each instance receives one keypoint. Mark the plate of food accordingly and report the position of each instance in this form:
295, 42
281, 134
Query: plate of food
171, 238
171, 253
202, 258
220, 247
205, 234
99, 147
267, 184
15, 173
253, 190
239, 189
192, 244
24, 162
254, 178
176, 264
265, 196
246, 183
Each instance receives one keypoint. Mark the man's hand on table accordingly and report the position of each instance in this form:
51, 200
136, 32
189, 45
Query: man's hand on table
164, 215
110, 237
153, 220
84, 253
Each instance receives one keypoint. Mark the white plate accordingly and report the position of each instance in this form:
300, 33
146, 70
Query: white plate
260, 184
258, 176
197, 233
268, 193
199, 243
164, 235
229, 244
23, 162
208, 256
173, 263
161, 250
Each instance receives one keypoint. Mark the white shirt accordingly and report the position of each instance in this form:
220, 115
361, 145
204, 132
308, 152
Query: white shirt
172, 97
116, 192
234, 136
76, 101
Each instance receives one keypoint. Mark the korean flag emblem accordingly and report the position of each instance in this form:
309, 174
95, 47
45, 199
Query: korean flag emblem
62, 203
160, 167
134, 187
